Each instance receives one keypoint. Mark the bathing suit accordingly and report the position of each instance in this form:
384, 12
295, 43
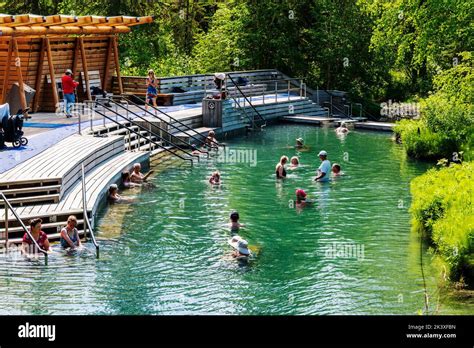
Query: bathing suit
283, 174
43, 237
73, 238
151, 91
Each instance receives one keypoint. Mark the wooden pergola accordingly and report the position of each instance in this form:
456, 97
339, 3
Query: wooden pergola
25, 40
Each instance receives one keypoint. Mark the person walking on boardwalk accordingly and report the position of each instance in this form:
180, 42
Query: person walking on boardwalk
151, 89
69, 85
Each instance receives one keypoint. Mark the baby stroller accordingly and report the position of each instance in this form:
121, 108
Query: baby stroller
11, 127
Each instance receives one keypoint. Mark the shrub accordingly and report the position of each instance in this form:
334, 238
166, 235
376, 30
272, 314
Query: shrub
443, 209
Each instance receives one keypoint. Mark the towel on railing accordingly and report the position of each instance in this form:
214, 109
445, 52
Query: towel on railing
4, 110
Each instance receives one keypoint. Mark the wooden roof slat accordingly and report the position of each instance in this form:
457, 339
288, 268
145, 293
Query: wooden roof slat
34, 25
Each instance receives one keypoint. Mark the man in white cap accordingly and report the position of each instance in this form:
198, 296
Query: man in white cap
69, 85
325, 167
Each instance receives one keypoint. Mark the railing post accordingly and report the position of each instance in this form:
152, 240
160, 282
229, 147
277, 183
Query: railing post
288, 90
301, 88
6, 226
84, 202
80, 133
276, 91
129, 142
149, 145
317, 95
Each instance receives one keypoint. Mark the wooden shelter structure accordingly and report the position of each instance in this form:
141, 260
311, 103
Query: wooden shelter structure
37, 50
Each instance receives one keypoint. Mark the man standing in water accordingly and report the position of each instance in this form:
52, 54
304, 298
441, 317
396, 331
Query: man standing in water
325, 167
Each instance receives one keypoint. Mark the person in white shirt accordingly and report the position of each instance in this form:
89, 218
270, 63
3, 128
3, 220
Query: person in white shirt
324, 169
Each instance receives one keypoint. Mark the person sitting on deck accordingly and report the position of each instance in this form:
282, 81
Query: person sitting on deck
69, 85
294, 162
342, 129
27, 245
211, 141
127, 182
70, 235
234, 221
336, 170
136, 176
215, 178
324, 168
219, 82
151, 89
280, 171
241, 247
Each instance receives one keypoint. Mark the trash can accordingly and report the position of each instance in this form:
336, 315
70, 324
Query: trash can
14, 97
212, 112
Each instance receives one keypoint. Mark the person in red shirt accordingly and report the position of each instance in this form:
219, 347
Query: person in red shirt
41, 238
69, 85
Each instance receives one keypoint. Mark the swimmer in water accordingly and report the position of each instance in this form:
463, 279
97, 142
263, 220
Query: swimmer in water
336, 170
299, 143
342, 129
241, 247
280, 171
294, 162
234, 221
211, 140
215, 178
301, 200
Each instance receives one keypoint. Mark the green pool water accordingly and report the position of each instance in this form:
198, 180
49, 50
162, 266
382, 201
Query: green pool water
167, 253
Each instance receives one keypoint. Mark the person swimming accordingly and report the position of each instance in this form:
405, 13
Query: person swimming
234, 221
127, 182
301, 200
336, 170
324, 168
294, 162
342, 129
241, 247
299, 143
280, 171
215, 178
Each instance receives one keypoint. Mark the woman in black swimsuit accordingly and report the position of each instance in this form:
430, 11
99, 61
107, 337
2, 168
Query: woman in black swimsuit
280, 171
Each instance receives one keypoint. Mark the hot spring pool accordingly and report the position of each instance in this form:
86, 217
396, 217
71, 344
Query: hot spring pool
168, 253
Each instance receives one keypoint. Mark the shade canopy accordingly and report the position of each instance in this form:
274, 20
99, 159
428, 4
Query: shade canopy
34, 25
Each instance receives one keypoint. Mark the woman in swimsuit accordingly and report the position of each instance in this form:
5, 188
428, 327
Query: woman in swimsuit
70, 235
151, 91
280, 171
28, 247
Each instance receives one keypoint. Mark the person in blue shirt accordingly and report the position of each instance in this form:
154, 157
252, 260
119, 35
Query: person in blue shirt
324, 169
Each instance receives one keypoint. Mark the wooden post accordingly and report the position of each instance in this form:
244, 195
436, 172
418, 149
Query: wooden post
85, 69
51, 73
20, 75
39, 77
6, 225
75, 59
108, 58
7, 71
117, 65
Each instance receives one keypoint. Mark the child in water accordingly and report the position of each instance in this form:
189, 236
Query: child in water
336, 170
234, 221
215, 178
294, 162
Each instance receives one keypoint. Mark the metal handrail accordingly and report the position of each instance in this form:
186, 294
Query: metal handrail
252, 120
171, 118
87, 224
148, 130
245, 98
135, 132
9, 206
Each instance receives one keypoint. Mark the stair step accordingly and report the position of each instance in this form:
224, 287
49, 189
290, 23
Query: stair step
201, 130
44, 227
12, 193
52, 198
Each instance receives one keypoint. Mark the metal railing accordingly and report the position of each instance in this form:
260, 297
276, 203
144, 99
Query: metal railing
261, 118
8, 206
139, 135
169, 123
149, 130
87, 223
